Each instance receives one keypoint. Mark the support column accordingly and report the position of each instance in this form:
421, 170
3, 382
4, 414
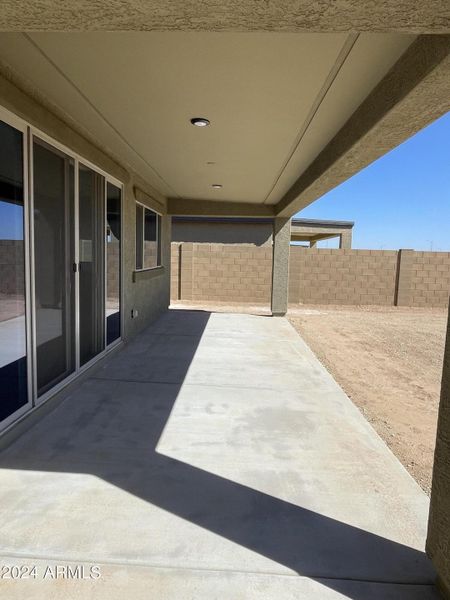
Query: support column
345, 239
438, 539
280, 265
166, 250
313, 243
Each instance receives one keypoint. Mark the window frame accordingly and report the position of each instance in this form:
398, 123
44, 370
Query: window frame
159, 265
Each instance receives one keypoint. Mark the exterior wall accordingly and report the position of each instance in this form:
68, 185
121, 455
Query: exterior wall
221, 273
146, 291
430, 278
232, 273
325, 276
438, 542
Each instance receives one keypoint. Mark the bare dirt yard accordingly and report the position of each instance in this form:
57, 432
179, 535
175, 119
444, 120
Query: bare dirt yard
389, 362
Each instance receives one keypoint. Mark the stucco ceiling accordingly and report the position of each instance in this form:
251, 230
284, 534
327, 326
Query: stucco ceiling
274, 100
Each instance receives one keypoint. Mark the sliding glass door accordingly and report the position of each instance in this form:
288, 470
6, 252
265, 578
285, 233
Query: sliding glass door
60, 266
14, 396
54, 257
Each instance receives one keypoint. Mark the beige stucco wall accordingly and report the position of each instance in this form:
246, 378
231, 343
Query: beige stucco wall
234, 15
257, 233
148, 292
280, 266
438, 543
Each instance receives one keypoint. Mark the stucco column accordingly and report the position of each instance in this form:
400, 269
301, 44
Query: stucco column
313, 243
280, 265
166, 241
345, 239
438, 542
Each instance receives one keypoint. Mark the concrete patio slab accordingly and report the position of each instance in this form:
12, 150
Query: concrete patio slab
173, 584
213, 457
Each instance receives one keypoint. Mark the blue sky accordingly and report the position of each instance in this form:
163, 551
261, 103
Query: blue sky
402, 200
11, 217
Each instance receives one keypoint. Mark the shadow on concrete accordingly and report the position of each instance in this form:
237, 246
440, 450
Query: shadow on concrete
112, 431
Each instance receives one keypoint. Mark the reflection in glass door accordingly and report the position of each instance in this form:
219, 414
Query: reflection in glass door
113, 261
91, 223
13, 342
54, 282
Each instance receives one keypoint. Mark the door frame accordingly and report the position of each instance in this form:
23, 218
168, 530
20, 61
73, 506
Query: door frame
17, 123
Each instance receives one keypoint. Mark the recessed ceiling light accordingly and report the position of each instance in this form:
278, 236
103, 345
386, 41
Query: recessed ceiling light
216, 186
200, 122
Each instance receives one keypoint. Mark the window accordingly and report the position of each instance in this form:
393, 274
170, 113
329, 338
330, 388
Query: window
148, 239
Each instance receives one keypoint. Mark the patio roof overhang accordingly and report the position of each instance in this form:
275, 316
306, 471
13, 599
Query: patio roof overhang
304, 16
292, 114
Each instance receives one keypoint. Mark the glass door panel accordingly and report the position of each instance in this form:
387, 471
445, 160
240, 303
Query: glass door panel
53, 204
13, 347
91, 222
113, 261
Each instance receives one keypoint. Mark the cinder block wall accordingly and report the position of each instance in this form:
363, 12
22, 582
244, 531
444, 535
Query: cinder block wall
430, 279
221, 273
324, 276
242, 273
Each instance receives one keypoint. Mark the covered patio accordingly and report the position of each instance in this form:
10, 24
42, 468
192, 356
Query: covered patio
212, 457
195, 454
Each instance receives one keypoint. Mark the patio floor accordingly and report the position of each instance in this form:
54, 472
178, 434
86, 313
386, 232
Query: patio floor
213, 457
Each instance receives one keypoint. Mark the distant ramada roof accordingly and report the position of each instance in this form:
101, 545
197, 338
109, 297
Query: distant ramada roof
295, 221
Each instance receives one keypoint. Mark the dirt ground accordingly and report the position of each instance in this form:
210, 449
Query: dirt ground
389, 362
